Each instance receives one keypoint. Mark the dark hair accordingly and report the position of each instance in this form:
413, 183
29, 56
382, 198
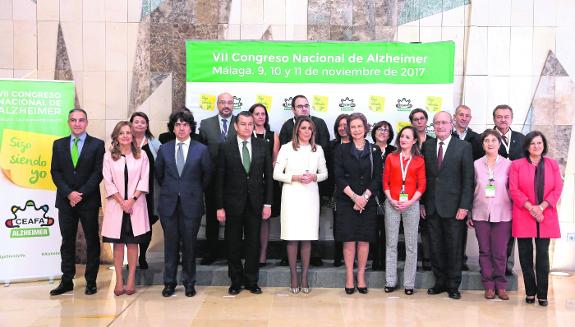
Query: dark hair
336, 126
502, 106
360, 116
244, 113
415, 148
529, 138
253, 108
295, 137
295, 98
488, 132
172, 123
184, 116
416, 110
377, 126
149, 134
115, 148
78, 110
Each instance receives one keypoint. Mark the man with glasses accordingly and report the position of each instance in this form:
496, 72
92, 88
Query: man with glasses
512, 143
213, 131
447, 199
300, 107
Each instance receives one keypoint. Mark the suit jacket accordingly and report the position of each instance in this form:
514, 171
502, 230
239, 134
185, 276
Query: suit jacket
84, 178
475, 140
451, 186
356, 173
321, 135
190, 186
211, 135
138, 179
515, 147
234, 187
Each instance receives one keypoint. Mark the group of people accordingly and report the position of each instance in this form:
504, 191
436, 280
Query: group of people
499, 182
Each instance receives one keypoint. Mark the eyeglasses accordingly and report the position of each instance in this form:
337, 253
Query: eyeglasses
382, 130
442, 122
226, 102
301, 106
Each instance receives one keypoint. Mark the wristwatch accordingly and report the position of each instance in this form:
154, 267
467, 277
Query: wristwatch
365, 196
135, 198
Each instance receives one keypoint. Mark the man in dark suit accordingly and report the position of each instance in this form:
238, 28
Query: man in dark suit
214, 131
512, 144
183, 169
244, 193
300, 107
448, 197
418, 118
77, 172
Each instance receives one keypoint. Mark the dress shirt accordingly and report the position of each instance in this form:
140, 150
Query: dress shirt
82, 139
507, 136
185, 148
462, 135
241, 146
229, 119
445, 145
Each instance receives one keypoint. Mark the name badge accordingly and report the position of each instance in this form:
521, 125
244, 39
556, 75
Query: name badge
490, 191
403, 197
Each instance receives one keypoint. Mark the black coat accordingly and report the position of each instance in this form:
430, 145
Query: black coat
475, 140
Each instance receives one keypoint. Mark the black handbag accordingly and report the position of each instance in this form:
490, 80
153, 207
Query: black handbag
380, 208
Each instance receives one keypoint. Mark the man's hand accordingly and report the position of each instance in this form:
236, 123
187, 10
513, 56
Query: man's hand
74, 197
266, 212
221, 215
461, 214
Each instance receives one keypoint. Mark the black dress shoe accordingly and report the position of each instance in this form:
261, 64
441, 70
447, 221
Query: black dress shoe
168, 290
316, 262
435, 290
254, 289
143, 263
284, 262
543, 302
207, 261
190, 291
234, 290
530, 299
349, 290
388, 289
91, 288
454, 294
408, 291
63, 288
362, 290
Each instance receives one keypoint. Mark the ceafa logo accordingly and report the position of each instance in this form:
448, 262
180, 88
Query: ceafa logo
29, 221
347, 104
238, 103
287, 103
403, 104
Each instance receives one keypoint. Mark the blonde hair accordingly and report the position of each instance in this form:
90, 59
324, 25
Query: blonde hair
115, 148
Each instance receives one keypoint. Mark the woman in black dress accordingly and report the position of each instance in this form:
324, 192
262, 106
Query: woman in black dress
145, 140
262, 130
357, 168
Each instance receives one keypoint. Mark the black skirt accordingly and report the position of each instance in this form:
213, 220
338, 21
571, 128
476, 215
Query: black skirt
353, 226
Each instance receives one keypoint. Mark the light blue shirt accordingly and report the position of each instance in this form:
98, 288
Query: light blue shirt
82, 139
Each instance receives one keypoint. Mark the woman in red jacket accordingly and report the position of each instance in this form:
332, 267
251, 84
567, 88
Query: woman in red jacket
535, 185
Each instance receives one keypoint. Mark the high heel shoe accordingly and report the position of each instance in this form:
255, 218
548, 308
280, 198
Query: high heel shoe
119, 292
349, 290
408, 291
294, 290
362, 290
530, 299
388, 289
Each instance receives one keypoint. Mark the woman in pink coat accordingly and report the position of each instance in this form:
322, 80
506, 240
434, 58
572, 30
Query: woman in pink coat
535, 186
126, 174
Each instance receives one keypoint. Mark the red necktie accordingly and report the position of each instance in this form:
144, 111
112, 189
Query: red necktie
440, 155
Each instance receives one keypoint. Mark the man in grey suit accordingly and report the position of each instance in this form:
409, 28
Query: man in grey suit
183, 169
447, 199
214, 131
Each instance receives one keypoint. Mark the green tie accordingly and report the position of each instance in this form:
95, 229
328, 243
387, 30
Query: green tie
246, 157
75, 151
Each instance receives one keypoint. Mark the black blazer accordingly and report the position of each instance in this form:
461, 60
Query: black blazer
357, 174
450, 187
515, 147
234, 187
475, 140
84, 178
321, 135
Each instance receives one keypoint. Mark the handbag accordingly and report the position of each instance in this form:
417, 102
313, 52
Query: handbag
380, 208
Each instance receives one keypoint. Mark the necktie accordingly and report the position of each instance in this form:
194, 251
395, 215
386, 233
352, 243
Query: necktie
180, 159
504, 139
246, 157
440, 155
224, 128
75, 153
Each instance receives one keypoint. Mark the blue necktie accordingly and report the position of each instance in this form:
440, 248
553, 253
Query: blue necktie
225, 128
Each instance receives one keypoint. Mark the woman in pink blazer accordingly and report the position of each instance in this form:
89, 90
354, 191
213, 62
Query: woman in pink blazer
535, 185
126, 175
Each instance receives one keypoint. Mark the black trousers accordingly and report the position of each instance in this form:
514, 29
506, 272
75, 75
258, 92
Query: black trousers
243, 226
212, 223
68, 219
180, 228
425, 240
446, 235
536, 282
377, 248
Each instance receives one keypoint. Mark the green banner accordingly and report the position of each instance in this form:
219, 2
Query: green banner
320, 62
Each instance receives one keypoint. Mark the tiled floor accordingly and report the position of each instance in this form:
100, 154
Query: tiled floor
28, 304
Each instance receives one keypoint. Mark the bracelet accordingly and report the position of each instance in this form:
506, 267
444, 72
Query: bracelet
540, 207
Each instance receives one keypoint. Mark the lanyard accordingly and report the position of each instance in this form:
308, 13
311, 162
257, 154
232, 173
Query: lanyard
403, 171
